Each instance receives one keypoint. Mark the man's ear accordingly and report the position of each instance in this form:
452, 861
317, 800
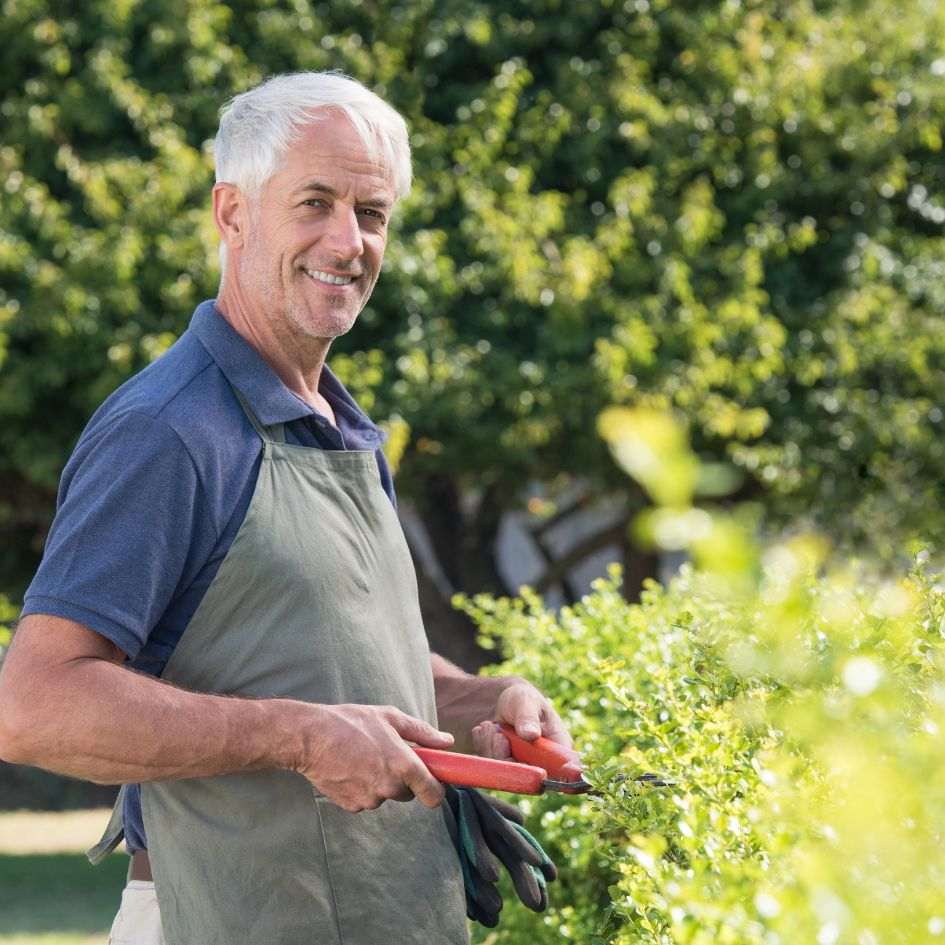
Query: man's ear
230, 214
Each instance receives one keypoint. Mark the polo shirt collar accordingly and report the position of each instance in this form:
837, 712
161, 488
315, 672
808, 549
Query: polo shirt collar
272, 402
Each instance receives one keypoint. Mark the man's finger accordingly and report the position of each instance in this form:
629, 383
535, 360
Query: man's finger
521, 706
425, 787
524, 708
528, 730
416, 730
489, 742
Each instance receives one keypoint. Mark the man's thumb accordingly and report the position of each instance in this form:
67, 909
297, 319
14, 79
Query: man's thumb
416, 730
528, 729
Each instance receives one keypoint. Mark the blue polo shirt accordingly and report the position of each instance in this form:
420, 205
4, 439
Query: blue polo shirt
158, 486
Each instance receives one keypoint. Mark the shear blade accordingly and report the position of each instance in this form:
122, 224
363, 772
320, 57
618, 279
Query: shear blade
654, 780
569, 787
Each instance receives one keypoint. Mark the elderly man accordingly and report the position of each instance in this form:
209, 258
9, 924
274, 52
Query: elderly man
225, 620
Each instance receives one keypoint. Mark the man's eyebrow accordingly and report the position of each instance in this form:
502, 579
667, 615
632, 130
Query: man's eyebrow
314, 186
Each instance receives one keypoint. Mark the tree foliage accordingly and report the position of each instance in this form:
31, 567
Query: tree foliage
735, 209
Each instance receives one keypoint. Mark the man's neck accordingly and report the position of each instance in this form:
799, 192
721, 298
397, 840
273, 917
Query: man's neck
297, 359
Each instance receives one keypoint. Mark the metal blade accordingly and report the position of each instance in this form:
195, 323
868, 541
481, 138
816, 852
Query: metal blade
585, 787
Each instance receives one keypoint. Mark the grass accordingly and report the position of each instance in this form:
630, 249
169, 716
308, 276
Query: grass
49, 893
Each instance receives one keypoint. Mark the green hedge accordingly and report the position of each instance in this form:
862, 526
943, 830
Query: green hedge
801, 723
796, 701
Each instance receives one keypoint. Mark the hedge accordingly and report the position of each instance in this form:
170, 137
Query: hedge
795, 699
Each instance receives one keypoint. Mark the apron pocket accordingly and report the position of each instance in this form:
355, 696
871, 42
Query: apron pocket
239, 859
395, 875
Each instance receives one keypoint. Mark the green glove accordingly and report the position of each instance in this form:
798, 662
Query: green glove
486, 831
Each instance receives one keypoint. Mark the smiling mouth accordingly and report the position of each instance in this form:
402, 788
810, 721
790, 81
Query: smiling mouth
327, 278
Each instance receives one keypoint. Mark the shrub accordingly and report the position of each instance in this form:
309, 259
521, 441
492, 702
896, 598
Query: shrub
796, 702
801, 726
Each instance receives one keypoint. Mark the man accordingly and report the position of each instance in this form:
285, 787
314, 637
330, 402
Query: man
226, 523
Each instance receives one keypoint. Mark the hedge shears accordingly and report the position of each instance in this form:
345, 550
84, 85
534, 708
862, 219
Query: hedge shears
539, 766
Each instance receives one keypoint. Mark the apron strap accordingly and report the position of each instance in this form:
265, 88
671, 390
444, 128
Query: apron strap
113, 834
273, 434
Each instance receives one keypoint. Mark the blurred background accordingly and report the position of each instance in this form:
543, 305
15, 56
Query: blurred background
734, 210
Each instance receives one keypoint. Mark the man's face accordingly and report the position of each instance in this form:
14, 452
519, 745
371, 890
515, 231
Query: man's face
317, 235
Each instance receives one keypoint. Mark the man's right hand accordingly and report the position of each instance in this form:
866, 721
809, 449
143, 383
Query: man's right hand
358, 756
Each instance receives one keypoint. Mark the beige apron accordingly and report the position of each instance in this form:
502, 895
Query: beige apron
316, 600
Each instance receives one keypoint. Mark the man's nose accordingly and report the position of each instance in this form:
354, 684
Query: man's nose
343, 236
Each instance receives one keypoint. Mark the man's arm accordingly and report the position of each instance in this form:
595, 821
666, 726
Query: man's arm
468, 706
68, 705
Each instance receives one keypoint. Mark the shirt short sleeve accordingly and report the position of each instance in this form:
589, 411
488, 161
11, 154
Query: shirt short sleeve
125, 534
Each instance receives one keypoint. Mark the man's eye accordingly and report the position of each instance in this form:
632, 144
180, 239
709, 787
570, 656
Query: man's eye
314, 201
371, 212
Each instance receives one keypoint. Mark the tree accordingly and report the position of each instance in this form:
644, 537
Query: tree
734, 209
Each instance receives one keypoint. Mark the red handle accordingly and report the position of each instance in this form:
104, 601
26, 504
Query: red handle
450, 767
562, 764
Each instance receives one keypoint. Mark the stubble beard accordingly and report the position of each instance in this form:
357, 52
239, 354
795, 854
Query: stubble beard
290, 310
334, 319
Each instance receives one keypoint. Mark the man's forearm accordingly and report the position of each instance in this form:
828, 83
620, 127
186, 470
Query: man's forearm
104, 723
463, 700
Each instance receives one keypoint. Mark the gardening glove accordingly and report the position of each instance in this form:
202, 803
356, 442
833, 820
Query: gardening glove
485, 832
527, 863
479, 866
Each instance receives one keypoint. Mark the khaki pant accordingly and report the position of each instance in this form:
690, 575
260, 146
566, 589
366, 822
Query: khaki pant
138, 921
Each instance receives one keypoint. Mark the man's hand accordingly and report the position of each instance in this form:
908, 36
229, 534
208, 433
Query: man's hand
470, 706
358, 756
523, 707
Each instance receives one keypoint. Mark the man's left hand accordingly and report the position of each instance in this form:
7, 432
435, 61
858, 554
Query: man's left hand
523, 707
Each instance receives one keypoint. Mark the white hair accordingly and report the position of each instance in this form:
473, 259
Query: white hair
258, 127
